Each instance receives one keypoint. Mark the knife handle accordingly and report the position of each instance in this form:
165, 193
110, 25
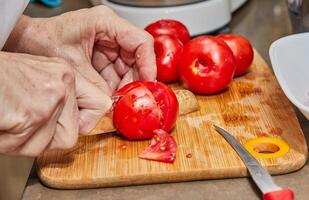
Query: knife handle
285, 194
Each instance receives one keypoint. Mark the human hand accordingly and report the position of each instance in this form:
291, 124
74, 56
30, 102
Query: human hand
104, 48
42, 107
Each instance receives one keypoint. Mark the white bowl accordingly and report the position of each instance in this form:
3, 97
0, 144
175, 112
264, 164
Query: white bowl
290, 60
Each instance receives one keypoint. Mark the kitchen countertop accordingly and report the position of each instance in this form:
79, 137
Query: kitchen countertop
262, 22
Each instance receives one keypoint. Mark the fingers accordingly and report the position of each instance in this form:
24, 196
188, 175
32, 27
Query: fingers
121, 68
41, 138
109, 47
140, 43
52, 111
145, 61
133, 46
111, 77
129, 77
99, 60
93, 103
128, 57
88, 72
106, 68
67, 126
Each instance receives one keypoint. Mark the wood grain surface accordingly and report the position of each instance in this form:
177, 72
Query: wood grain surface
253, 106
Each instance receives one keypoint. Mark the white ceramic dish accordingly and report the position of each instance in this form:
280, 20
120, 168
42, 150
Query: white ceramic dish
290, 60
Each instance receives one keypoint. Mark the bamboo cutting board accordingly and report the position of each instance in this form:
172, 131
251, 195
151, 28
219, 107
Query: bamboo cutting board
254, 106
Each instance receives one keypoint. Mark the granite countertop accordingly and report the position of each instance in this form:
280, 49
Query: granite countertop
262, 22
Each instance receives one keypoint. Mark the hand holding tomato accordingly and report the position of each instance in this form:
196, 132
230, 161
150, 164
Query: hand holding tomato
104, 48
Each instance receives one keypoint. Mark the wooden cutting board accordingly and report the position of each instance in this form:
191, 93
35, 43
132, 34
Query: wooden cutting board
253, 106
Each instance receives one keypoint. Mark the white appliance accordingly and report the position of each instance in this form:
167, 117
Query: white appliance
200, 16
289, 58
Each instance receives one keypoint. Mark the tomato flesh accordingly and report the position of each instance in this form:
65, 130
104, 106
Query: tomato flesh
242, 51
208, 65
168, 51
162, 148
169, 27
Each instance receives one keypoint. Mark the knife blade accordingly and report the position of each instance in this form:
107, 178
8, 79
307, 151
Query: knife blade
261, 177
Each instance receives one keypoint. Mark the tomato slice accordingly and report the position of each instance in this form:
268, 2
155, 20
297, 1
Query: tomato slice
167, 101
162, 148
136, 114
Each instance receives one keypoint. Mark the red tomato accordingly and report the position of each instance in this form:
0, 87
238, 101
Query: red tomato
167, 101
136, 114
208, 65
144, 107
242, 51
126, 88
169, 27
162, 148
168, 51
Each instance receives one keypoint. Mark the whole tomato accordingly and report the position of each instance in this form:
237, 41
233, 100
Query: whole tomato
208, 65
242, 51
143, 107
169, 27
168, 51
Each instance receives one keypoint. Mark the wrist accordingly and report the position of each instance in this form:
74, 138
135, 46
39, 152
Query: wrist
18, 34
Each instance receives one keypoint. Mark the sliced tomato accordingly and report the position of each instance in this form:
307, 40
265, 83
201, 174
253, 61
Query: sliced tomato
143, 107
162, 148
130, 86
137, 114
167, 101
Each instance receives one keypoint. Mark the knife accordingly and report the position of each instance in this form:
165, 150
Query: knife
261, 177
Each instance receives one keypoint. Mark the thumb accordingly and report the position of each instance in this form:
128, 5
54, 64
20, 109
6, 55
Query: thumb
93, 103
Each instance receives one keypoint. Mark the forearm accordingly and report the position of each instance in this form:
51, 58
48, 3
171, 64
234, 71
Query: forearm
18, 34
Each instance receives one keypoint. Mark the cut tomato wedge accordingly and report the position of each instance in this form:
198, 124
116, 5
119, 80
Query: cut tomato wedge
162, 148
167, 101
